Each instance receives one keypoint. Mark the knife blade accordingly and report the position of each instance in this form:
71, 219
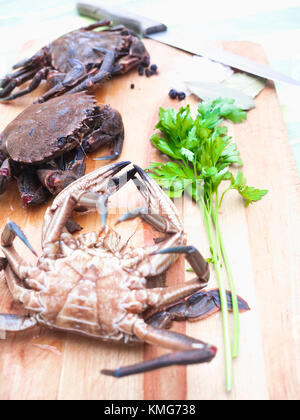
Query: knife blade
159, 32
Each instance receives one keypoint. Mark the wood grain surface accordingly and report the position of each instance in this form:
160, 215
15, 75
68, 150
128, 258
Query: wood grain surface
262, 241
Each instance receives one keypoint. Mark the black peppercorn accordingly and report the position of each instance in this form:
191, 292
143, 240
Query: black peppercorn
153, 68
181, 96
173, 94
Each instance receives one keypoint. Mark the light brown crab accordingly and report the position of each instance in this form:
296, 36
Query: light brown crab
96, 285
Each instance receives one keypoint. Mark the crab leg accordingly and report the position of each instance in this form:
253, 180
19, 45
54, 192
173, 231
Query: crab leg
103, 74
98, 139
117, 150
9, 233
29, 298
28, 68
76, 73
188, 350
157, 204
14, 265
32, 191
100, 23
157, 221
153, 265
14, 82
124, 65
159, 297
55, 180
197, 262
94, 140
9, 77
35, 59
51, 245
38, 77
18, 265
188, 357
61, 83
16, 323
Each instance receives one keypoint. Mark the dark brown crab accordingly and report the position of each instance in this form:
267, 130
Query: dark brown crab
96, 284
45, 146
77, 61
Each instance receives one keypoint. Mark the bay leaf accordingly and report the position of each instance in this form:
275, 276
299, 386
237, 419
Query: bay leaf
213, 91
246, 83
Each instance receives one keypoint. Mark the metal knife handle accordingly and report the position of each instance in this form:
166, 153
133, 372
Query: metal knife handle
99, 10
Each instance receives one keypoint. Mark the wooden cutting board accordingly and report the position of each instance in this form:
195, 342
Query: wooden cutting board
262, 241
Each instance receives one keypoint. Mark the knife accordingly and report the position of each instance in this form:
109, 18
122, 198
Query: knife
149, 28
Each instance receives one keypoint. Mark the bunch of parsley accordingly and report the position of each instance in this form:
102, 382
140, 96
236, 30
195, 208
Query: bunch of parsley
202, 156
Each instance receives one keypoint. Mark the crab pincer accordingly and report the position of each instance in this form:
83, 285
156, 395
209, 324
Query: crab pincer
193, 352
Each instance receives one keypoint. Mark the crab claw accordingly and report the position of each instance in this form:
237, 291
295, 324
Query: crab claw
95, 182
114, 185
188, 357
99, 201
198, 306
56, 180
99, 182
160, 212
188, 350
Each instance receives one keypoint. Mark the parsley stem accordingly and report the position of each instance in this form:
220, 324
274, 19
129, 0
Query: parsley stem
235, 306
207, 215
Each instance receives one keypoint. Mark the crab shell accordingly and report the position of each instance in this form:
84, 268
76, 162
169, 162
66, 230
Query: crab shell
62, 49
44, 131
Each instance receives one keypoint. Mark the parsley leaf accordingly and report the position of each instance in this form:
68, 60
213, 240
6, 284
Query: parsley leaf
201, 150
250, 194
